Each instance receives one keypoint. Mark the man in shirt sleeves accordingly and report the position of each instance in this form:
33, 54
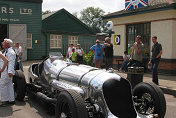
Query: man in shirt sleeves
6, 85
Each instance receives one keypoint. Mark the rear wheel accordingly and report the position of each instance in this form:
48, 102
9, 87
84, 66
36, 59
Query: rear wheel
149, 99
19, 85
70, 104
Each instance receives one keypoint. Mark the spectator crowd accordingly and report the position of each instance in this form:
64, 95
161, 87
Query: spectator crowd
11, 56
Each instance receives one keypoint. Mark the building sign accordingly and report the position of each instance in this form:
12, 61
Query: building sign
8, 14
116, 39
134, 4
23, 11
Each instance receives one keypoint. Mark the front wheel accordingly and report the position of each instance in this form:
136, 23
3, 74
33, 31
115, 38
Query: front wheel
149, 99
70, 104
19, 85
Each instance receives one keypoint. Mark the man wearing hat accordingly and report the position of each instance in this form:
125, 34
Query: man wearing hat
98, 53
80, 53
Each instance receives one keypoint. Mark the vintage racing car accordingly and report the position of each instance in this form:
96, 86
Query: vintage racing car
81, 91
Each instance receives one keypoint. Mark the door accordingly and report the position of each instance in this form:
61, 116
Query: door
3, 33
18, 33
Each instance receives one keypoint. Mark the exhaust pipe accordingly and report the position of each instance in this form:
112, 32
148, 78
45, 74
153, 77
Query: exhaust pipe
43, 97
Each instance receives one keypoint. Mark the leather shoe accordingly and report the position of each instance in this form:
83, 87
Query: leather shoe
11, 102
3, 103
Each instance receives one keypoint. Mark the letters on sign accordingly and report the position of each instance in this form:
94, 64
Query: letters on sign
23, 11
116, 39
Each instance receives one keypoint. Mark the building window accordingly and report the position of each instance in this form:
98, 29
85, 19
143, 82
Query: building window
143, 29
29, 41
55, 41
73, 39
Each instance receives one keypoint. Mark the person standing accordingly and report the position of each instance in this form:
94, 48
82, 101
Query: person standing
80, 53
137, 51
18, 51
155, 58
69, 51
108, 49
6, 85
98, 53
73, 56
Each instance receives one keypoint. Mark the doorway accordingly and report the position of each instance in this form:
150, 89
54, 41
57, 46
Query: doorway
3, 33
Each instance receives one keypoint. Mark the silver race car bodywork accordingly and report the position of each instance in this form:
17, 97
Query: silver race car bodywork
105, 94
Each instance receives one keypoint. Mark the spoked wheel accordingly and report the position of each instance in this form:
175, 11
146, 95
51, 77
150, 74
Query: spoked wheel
149, 99
70, 104
146, 105
65, 111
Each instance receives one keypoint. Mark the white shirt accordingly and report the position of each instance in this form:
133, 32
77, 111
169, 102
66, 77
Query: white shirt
128, 56
10, 54
18, 50
79, 51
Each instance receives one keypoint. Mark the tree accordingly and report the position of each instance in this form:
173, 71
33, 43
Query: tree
46, 12
93, 18
75, 14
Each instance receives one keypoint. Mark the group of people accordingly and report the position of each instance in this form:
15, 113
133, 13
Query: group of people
98, 50
105, 51
8, 58
136, 57
75, 54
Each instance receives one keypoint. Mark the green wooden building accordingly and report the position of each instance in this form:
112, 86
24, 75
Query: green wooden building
20, 20
61, 28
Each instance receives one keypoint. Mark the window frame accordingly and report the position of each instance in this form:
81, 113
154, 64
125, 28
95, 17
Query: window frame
143, 29
58, 40
73, 39
29, 38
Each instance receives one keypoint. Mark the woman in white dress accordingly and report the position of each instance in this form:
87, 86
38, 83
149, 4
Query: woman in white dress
3, 65
3, 62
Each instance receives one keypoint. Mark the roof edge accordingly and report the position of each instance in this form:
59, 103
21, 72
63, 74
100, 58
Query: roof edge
69, 14
33, 1
149, 10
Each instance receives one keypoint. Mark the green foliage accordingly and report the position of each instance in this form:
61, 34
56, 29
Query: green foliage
75, 14
46, 12
92, 17
88, 58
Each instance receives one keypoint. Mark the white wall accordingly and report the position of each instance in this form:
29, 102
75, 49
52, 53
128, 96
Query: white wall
174, 40
163, 30
119, 49
163, 25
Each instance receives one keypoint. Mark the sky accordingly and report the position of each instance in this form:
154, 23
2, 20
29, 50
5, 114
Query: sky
109, 6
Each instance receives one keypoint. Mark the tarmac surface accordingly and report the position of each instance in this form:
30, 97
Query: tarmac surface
166, 83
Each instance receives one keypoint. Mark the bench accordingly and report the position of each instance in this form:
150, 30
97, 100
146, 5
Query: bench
119, 63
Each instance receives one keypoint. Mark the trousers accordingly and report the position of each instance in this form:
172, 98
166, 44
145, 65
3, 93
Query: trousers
6, 87
155, 64
108, 62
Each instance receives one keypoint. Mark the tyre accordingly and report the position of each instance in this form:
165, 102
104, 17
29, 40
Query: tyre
70, 104
149, 99
19, 85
